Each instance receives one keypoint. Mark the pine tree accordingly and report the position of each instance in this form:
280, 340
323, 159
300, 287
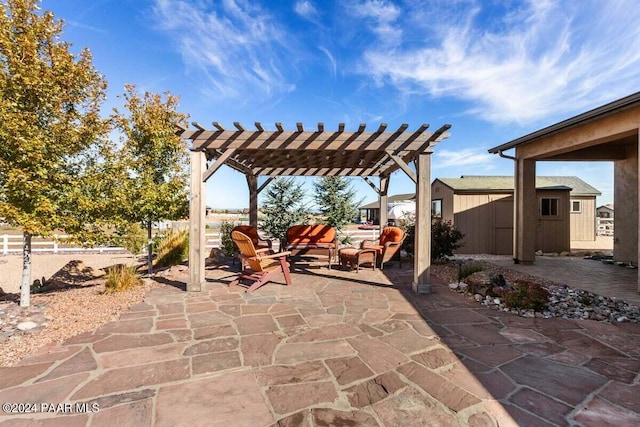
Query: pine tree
335, 198
283, 207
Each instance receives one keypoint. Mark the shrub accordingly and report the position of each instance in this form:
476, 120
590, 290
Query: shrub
525, 295
39, 286
468, 269
408, 224
226, 243
121, 278
173, 248
445, 238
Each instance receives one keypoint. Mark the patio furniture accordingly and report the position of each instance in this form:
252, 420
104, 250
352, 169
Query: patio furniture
387, 246
357, 257
317, 238
252, 233
260, 265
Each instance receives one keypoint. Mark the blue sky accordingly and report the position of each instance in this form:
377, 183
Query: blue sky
494, 70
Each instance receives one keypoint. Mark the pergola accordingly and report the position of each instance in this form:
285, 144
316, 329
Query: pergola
374, 156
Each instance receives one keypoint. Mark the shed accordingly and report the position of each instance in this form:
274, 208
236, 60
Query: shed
482, 208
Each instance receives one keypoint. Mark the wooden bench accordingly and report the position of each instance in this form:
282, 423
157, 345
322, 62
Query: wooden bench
312, 239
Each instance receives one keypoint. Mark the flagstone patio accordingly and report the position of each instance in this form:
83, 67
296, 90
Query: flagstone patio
337, 348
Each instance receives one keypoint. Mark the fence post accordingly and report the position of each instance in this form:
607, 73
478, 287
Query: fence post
55, 243
5, 244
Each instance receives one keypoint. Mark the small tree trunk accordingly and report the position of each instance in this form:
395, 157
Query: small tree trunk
149, 248
25, 288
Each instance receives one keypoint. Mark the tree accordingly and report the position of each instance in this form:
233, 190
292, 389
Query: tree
155, 160
283, 207
50, 129
335, 198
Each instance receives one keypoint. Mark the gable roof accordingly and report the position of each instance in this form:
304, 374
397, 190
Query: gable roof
506, 184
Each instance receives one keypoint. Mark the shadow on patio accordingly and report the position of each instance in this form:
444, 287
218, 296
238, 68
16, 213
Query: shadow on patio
336, 348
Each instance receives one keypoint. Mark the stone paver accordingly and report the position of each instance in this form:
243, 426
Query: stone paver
335, 349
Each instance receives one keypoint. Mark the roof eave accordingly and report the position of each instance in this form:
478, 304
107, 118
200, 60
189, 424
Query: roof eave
618, 105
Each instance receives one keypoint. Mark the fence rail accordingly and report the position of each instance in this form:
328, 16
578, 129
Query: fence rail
12, 243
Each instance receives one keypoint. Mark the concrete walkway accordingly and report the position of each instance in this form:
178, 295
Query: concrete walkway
590, 275
335, 349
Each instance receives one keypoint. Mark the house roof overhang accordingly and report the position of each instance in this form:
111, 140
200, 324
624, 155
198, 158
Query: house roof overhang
314, 152
619, 105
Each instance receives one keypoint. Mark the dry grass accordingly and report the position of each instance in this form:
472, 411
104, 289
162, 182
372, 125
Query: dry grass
121, 278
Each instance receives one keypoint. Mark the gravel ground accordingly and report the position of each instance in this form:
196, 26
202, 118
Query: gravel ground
46, 265
71, 311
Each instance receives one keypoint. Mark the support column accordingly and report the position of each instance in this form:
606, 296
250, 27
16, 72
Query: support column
637, 202
197, 215
384, 187
252, 182
526, 211
422, 254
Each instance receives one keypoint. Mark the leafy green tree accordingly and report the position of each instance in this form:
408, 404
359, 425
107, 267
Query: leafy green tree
336, 200
154, 159
283, 207
50, 129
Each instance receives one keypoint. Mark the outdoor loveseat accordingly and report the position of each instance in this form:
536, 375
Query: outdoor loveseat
312, 239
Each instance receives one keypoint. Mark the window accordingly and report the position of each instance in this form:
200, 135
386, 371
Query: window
436, 208
576, 206
549, 206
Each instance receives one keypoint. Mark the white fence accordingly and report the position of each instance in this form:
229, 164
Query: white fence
12, 243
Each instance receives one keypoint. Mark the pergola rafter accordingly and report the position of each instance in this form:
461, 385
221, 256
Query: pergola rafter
255, 153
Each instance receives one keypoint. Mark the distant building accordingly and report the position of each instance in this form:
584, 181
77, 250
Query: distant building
604, 220
370, 212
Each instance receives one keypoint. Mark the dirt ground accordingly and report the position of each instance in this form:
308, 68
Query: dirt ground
45, 265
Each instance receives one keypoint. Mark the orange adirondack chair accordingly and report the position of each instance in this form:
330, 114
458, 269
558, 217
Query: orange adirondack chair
259, 265
251, 232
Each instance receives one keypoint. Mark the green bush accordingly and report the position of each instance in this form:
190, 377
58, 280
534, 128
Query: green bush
121, 278
226, 243
525, 295
173, 248
468, 269
445, 238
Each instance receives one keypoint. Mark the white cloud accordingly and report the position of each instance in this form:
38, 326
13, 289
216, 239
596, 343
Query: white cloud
539, 60
379, 16
306, 9
333, 65
466, 157
234, 46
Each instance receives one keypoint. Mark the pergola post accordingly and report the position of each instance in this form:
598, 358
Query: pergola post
197, 215
526, 209
422, 261
384, 187
252, 182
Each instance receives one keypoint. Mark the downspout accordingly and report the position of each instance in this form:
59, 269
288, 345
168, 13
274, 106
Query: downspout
505, 156
501, 154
